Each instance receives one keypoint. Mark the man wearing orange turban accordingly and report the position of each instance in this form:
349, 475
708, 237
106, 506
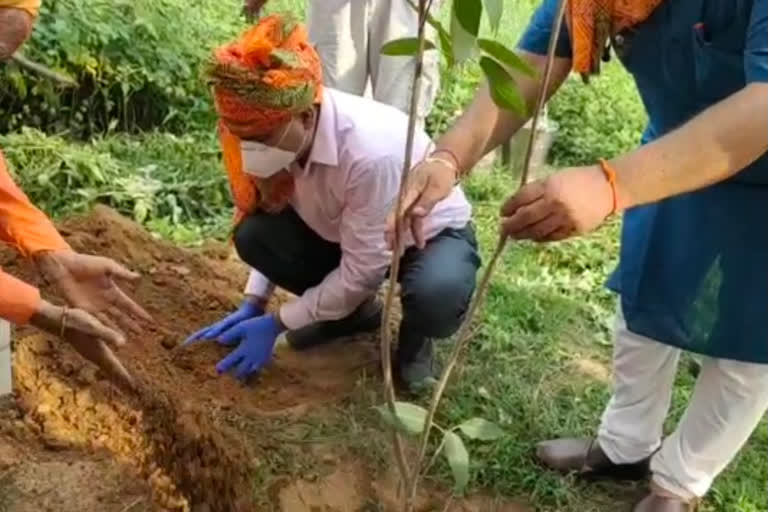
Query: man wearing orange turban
313, 173
348, 35
86, 282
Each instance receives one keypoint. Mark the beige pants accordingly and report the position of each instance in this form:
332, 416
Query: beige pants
348, 35
5, 358
727, 404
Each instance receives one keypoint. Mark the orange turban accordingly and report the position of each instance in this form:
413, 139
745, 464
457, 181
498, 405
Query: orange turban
266, 76
262, 79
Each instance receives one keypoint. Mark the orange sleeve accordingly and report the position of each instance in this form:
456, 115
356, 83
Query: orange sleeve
31, 6
21, 224
18, 300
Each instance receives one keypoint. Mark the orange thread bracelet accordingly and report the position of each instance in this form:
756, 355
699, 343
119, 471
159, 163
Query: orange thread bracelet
610, 175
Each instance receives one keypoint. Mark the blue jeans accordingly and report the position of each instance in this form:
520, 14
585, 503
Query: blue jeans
436, 282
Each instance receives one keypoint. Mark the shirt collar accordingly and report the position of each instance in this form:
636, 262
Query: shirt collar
325, 147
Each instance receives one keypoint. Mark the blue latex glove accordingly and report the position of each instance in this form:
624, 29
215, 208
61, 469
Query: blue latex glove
246, 311
257, 338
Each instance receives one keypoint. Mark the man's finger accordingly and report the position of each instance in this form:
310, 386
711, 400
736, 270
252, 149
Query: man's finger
525, 196
101, 326
231, 336
124, 302
245, 368
202, 334
228, 362
123, 320
560, 234
417, 230
542, 229
100, 354
398, 219
523, 218
117, 270
217, 329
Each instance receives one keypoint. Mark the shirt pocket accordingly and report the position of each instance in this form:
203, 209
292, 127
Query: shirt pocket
719, 67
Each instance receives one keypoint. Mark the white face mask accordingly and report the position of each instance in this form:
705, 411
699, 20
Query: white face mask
263, 161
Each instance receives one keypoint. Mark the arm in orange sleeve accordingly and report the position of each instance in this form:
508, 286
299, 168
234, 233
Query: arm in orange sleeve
18, 300
27, 229
21, 224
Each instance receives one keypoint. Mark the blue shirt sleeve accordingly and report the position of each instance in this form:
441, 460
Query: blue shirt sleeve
756, 49
536, 36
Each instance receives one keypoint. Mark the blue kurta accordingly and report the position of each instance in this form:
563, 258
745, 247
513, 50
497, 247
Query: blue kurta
693, 270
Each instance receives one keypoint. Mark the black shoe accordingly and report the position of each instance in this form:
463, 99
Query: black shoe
415, 365
366, 318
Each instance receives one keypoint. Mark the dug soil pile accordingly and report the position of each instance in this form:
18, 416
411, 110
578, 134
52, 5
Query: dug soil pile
189, 439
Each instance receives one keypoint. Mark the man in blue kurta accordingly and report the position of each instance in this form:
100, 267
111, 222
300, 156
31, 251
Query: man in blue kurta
693, 271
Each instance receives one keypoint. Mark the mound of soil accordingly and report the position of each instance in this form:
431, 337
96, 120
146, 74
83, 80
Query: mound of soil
191, 439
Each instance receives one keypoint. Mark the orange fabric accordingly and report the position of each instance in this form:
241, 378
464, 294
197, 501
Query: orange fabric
21, 224
31, 6
18, 300
591, 23
261, 80
28, 230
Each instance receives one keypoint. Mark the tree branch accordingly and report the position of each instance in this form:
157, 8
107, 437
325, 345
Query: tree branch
464, 334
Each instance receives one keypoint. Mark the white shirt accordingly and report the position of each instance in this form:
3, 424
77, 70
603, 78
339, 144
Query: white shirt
345, 193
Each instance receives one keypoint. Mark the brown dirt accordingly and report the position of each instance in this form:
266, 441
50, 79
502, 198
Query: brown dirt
190, 438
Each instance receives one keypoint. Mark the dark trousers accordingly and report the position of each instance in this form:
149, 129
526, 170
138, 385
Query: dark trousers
436, 283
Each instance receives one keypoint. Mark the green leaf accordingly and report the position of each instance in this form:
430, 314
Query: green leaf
480, 429
463, 44
409, 418
494, 9
407, 46
468, 13
458, 459
505, 56
503, 88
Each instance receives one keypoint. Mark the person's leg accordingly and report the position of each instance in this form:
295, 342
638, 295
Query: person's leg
644, 375
631, 428
728, 402
436, 286
283, 248
392, 77
339, 31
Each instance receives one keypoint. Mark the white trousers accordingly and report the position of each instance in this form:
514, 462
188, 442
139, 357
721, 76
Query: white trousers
727, 404
348, 35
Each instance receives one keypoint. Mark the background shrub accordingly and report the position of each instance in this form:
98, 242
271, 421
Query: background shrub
137, 63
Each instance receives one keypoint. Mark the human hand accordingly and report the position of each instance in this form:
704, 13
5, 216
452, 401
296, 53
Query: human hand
571, 202
429, 183
87, 335
248, 309
257, 338
87, 283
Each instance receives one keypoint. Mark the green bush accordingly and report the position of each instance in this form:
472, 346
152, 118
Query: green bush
137, 64
157, 178
599, 120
